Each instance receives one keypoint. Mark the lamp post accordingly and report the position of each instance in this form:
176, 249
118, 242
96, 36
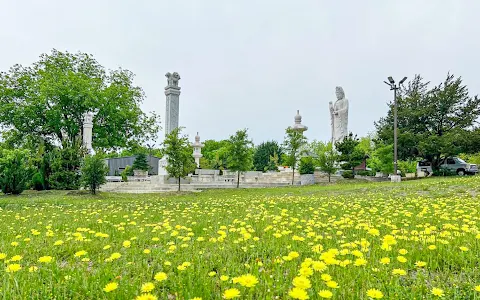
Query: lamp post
394, 87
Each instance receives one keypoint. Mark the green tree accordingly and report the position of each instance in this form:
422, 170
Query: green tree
263, 153
306, 166
350, 154
141, 162
65, 167
179, 155
293, 145
94, 171
240, 153
381, 160
326, 157
273, 163
432, 122
47, 102
215, 154
15, 170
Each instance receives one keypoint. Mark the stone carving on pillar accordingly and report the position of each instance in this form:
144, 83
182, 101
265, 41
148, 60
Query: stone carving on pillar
172, 107
87, 131
339, 116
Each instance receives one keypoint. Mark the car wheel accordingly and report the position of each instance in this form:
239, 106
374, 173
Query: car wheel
460, 172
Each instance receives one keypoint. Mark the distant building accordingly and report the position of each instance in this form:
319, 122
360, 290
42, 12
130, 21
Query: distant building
118, 164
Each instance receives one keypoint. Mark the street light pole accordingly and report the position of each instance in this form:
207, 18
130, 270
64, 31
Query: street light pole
394, 87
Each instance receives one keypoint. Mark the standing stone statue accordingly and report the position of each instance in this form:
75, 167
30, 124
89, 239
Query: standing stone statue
339, 116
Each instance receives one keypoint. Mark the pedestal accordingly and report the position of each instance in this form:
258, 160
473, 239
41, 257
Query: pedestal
396, 178
162, 170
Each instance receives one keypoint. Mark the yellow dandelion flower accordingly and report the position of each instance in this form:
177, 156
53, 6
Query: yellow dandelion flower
12, 268
432, 247
80, 253
437, 292
374, 294
402, 259
297, 293
326, 277
302, 282
247, 280
147, 251
126, 244
224, 278
399, 272
231, 293
33, 269
402, 251
464, 249
160, 276
45, 259
146, 297
332, 284
110, 287
477, 288
385, 261
326, 294
420, 264
147, 287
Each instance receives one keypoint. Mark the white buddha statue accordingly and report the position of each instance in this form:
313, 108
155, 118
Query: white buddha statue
339, 116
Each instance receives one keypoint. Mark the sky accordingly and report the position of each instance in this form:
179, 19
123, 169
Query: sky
252, 64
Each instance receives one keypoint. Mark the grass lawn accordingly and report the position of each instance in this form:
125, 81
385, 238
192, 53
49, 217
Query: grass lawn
413, 240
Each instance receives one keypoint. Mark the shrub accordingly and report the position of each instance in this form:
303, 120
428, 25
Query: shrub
126, 172
365, 173
38, 182
444, 172
348, 174
65, 168
306, 165
15, 172
141, 163
94, 172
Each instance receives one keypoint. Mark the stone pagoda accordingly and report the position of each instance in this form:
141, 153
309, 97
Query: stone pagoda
197, 150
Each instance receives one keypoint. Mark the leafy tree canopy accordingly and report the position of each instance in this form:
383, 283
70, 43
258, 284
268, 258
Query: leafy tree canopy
350, 154
240, 153
433, 122
179, 155
47, 101
263, 154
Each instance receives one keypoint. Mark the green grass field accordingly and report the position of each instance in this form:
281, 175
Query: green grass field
414, 240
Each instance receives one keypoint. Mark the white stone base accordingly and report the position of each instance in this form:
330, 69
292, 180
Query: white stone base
396, 178
307, 179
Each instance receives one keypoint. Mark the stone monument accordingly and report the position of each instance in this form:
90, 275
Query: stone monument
87, 131
339, 116
172, 91
197, 150
298, 126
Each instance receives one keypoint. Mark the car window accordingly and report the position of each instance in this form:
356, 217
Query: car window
450, 161
459, 160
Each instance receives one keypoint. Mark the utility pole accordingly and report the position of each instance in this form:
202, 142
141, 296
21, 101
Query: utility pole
394, 87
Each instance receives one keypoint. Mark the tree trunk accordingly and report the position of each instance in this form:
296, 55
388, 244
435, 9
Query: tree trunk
293, 173
329, 177
238, 179
179, 184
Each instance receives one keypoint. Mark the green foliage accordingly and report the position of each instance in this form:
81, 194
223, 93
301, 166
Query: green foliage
471, 158
407, 166
49, 99
306, 165
94, 171
273, 163
442, 171
15, 170
215, 154
326, 158
365, 173
240, 153
381, 159
293, 144
38, 182
141, 162
179, 155
348, 174
128, 171
263, 154
350, 155
433, 123
65, 167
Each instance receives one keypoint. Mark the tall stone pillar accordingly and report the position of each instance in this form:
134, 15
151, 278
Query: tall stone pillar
172, 91
87, 131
